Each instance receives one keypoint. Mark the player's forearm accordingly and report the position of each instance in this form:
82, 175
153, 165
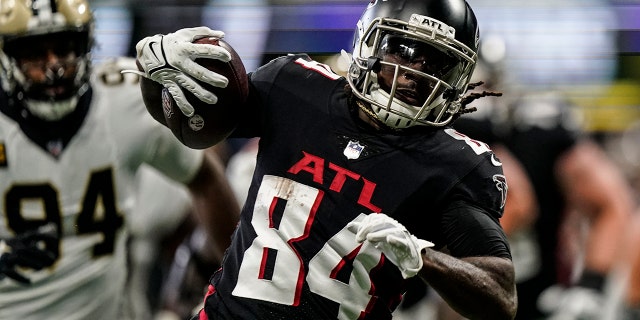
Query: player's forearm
521, 209
609, 215
598, 191
214, 203
604, 241
479, 288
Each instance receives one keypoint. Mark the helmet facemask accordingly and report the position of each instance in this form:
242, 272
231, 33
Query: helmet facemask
46, 62
412, 73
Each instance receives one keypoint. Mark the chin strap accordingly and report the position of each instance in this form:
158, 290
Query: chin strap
373, 64
368, 111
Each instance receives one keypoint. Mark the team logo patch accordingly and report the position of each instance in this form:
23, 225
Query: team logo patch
196, 123
55, 147
495, 161
3, 155
353, 150
501, 185
167, 103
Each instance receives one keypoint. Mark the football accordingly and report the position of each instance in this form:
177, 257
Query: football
211, 123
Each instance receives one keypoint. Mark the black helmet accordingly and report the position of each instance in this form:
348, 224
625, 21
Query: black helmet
441, 34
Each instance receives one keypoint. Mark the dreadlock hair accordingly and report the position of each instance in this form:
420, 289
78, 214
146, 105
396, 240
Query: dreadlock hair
467, 99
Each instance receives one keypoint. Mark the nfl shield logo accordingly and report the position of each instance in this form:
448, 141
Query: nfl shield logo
353, 150
167, 103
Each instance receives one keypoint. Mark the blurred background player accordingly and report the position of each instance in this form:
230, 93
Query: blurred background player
627, 150
570, 248
632, 295
72, 141
161, 221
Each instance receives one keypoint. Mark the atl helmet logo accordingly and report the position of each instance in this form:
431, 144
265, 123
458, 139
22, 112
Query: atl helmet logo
433, 26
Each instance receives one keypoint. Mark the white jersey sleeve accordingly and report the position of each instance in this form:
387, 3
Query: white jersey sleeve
147, 141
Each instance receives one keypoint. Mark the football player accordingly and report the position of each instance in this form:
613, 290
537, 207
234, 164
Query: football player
583, 202
71, 142
355, 174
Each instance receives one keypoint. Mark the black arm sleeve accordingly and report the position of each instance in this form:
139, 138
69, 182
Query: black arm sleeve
469, 231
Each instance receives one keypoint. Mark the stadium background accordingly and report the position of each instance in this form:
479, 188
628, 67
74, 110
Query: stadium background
586, 49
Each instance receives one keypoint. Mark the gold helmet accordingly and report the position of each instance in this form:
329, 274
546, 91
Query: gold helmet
25, 27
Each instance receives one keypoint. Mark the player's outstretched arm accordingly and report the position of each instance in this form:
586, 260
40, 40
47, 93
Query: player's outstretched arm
215, 205
477, 288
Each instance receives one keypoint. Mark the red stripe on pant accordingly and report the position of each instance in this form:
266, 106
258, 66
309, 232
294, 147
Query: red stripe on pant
203, 315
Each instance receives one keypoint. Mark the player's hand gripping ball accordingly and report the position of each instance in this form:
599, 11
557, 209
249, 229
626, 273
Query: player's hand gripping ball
210, 123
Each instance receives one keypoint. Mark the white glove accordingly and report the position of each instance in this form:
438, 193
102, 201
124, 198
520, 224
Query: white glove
399, 246
169, 60
573, 303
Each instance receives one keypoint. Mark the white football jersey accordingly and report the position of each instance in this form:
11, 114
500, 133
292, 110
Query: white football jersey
88, 192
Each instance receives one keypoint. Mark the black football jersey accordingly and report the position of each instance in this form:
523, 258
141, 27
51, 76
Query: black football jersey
292, 255
538, 133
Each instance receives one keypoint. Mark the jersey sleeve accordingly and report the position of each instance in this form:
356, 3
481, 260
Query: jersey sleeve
485, 186
470, 218
466, 221
468, 231
283, 79
260, 86
141, 138
175, 160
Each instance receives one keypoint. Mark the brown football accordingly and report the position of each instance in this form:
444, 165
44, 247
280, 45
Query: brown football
211, 123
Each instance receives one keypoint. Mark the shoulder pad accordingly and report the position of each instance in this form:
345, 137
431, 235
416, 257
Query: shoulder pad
109, 72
